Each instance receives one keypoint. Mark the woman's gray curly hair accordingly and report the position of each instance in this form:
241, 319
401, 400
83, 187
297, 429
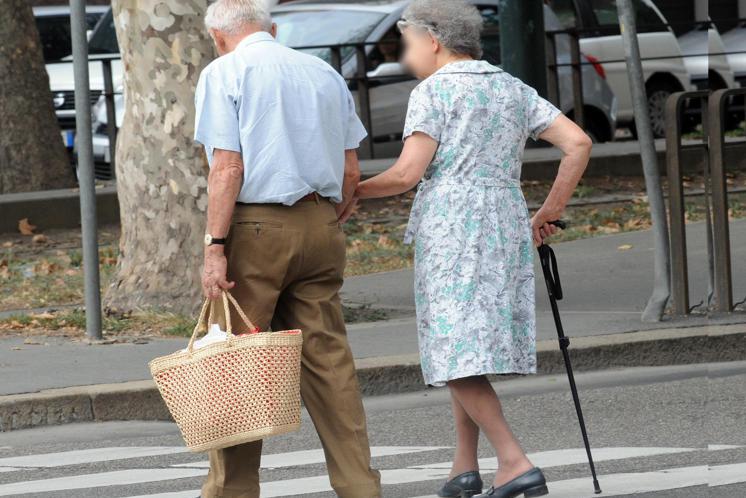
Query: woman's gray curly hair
456, 24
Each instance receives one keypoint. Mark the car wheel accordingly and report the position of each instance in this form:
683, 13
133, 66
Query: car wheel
595, 130
657, 97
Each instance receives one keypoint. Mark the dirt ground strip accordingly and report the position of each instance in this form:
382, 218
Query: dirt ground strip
42, 269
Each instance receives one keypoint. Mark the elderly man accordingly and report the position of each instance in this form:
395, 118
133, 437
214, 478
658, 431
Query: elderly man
280, 132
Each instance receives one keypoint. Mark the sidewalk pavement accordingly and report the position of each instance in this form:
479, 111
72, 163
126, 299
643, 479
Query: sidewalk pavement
606, 282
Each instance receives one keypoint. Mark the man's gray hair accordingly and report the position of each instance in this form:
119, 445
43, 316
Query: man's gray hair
231, 16
456, 24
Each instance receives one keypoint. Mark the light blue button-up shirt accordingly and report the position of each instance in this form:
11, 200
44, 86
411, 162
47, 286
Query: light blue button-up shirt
289, 114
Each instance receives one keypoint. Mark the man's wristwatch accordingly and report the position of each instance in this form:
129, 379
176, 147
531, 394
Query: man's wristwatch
210, 240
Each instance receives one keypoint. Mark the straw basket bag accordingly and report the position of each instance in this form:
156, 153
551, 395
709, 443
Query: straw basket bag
237, 390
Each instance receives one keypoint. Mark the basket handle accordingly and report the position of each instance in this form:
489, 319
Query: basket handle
202, 326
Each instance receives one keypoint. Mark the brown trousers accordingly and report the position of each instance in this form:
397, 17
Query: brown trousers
288, 264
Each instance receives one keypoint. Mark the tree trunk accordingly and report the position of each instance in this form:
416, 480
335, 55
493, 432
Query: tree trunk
32, 154
161, 171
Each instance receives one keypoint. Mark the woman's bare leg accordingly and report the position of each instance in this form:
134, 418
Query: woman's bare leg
480, 402
467, 440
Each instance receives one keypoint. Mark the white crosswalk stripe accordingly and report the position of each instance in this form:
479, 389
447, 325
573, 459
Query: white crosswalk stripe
308, 457
89, 456
614, 484
115, 478
556, 458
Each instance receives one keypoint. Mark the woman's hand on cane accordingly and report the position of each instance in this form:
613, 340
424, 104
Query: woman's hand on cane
542, 227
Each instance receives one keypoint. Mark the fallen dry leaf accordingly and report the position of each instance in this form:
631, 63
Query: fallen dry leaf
625, 247
355, 246
25, 227
40, 238
45, 267
108, 260
385, 241
44, 315
8, 244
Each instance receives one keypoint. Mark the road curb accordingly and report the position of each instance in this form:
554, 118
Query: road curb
140, 400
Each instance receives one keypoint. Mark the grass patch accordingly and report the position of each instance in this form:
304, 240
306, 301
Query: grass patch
50, 273
73, 322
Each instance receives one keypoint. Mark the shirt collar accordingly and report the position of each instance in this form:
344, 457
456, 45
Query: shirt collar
468, 66
257, 37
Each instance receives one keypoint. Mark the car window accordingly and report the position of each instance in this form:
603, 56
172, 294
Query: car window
565, 12
325, 27
54, 32
491, 33
387, 50
646, 17
104, 37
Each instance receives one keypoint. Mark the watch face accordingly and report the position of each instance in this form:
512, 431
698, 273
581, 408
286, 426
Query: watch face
208, 239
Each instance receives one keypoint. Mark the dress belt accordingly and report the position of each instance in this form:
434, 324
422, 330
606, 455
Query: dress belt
415, 216
472, 182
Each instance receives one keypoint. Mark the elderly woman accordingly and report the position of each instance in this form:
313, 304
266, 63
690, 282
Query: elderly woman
465, 131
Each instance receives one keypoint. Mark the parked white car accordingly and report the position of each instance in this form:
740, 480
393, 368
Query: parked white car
663, 67
703, 51
53, 24
735, 46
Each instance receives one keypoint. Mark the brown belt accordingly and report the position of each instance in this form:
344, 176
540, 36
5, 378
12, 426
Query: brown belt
313, 196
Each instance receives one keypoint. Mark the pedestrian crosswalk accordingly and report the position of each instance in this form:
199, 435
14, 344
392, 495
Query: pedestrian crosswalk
171, 473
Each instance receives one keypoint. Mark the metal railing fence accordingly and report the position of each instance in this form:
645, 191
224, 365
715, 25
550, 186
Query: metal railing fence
714, 145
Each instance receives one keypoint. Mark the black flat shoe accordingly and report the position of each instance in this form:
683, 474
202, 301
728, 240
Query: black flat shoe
463, 485
529, 484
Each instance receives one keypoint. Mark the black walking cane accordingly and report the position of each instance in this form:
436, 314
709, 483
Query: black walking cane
551, 276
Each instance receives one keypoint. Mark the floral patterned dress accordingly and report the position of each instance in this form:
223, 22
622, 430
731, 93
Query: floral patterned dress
474, 275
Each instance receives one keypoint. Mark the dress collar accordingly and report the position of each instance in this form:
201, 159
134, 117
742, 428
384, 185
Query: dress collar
259, 36
468, 66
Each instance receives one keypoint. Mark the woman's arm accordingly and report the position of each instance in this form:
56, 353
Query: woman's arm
418, 153
351, 181
576, 151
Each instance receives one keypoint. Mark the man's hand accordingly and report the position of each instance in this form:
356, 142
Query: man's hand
215, 273
348, 211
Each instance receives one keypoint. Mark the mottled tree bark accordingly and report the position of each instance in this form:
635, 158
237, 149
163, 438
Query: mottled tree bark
161, 171
32, 155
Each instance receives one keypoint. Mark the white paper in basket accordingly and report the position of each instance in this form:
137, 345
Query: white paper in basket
214, 334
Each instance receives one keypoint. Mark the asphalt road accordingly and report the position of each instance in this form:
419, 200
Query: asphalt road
654, 432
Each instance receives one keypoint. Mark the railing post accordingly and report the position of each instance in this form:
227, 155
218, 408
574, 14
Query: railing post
553, 92
577, 79
363, 95
111, 117
721, 235
336, 59
679, 276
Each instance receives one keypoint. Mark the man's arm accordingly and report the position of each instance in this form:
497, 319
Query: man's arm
351, 180
223, 183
